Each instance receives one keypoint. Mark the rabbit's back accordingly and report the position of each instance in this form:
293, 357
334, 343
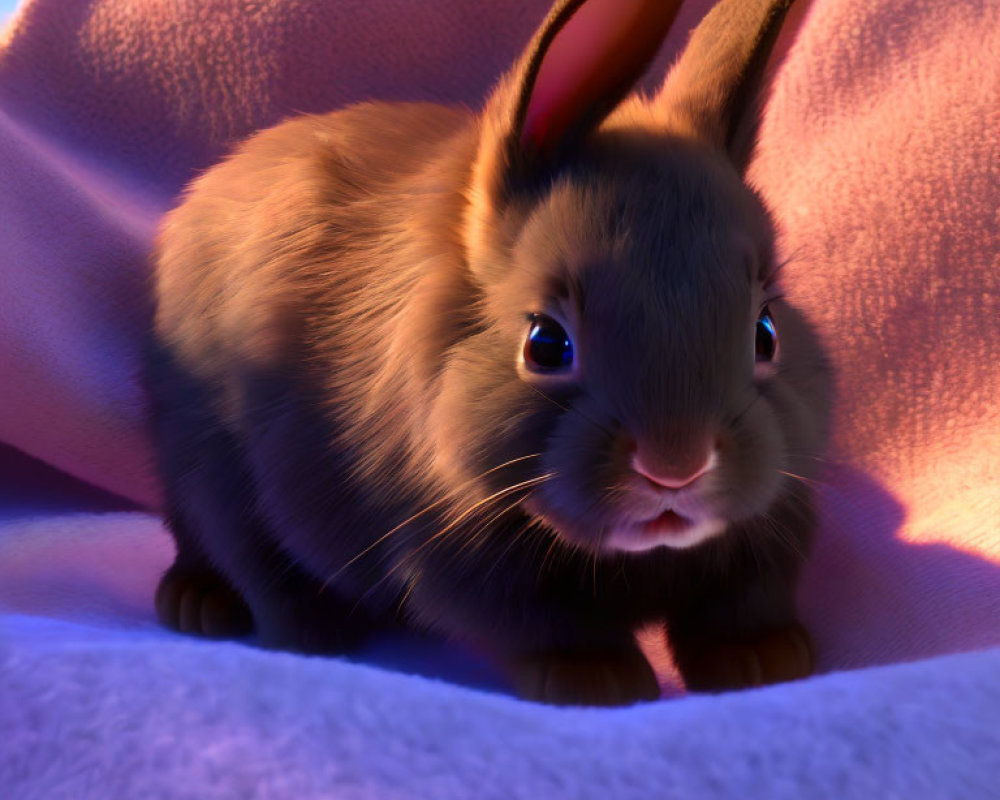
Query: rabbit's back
301, 221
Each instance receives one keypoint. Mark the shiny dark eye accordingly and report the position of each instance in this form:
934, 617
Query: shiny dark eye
767, 336
548, 347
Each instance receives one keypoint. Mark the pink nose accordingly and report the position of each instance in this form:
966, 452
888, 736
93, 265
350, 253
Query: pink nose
670, 477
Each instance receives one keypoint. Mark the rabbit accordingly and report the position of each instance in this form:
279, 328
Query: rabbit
522, 378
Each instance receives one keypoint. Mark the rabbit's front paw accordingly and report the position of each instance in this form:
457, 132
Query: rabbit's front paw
200, 602
784, 654
606, 678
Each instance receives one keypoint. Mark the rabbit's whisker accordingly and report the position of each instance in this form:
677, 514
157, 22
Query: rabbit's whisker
425, 510
444, 531
801, 478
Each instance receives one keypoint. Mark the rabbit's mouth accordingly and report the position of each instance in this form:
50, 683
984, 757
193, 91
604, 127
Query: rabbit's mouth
667, 529
641, 520
668, 522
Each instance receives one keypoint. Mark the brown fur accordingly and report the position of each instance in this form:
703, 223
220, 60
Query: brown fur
346, 432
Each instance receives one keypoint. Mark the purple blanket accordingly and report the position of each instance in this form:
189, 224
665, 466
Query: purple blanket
880, 158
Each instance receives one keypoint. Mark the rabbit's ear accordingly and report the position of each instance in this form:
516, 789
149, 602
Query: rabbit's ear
585, 57
583, 60
714, 89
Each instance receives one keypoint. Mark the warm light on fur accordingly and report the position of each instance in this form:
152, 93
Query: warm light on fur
346, 432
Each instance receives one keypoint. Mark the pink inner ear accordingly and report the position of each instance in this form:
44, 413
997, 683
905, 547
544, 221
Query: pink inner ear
605, 44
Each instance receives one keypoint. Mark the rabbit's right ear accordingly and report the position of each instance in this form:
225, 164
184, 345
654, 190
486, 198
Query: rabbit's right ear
583, 60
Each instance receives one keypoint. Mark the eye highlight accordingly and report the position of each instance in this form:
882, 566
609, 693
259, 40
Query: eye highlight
766, 342
547, 347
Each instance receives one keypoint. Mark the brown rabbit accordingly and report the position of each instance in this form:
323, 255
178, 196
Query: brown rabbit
522, 378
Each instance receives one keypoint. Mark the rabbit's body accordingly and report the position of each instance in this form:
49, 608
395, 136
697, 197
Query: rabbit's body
349, 435
247, 366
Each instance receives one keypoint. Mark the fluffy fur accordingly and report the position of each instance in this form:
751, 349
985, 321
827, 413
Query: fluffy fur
348, 436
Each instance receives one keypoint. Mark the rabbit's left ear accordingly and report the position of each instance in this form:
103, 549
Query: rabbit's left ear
714, 89
584, 59
581, 63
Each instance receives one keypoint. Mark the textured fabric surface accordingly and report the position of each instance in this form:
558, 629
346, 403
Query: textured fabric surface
880, 159
181, 719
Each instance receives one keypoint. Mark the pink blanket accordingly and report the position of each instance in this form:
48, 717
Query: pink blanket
879, 157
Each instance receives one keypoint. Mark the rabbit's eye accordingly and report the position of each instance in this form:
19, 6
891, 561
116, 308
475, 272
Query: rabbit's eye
548, 347
767, 336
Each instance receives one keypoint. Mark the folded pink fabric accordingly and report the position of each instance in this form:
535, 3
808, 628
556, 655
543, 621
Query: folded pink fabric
879, 156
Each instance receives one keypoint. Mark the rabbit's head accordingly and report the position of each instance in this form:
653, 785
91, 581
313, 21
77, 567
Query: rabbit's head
635, 367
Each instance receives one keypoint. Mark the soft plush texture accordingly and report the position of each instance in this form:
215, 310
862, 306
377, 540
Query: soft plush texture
880, 159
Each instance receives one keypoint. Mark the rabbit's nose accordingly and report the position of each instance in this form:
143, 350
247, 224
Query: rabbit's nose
673, 475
